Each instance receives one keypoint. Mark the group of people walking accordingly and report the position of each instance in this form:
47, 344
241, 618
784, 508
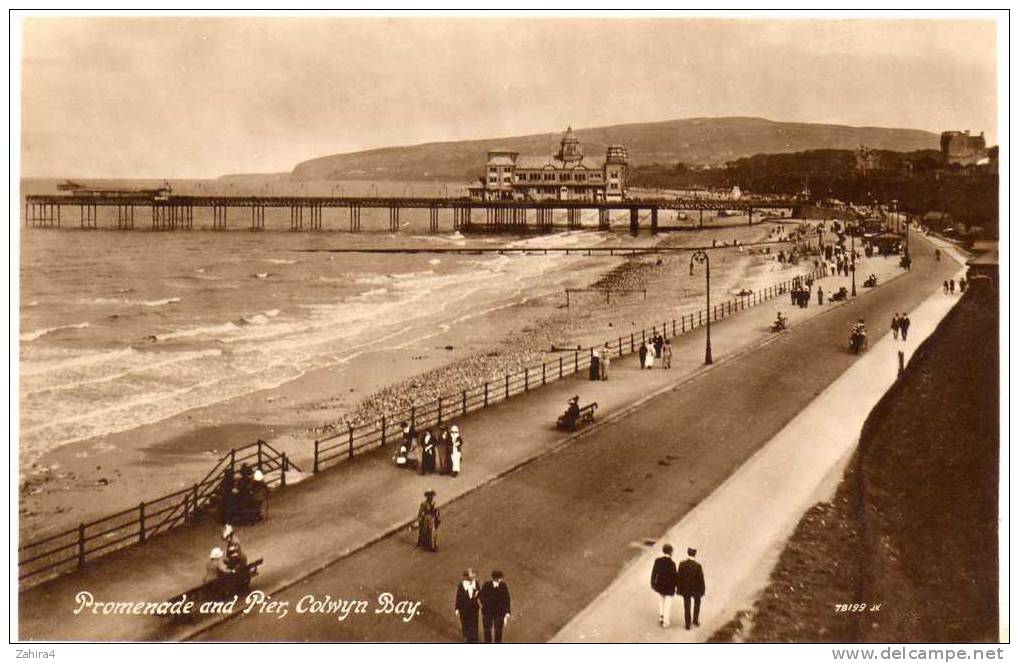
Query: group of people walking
900, 326
656, 347
240, 498
686, 579
948, 287
491, 600
430, 453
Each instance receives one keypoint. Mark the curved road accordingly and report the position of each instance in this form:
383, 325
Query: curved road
561, 528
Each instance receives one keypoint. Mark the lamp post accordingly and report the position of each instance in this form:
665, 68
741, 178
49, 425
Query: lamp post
852, 255
702, 257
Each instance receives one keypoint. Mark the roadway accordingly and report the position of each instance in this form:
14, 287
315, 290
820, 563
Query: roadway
563, 527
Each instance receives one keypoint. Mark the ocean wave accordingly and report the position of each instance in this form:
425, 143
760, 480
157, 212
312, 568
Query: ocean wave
39, 333
35, 368
107, 301
149, 363
206, 330
281, 261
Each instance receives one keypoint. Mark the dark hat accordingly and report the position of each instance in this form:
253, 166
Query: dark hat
429, 493
692, 552
497, 575
667, 549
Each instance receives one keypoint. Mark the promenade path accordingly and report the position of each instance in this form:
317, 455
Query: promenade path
362, 502
564, 526
741, 528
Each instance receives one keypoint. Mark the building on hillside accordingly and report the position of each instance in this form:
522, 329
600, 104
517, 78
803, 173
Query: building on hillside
960, 148
565, 175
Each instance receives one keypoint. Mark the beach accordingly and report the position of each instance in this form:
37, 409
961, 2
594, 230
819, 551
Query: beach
135, 394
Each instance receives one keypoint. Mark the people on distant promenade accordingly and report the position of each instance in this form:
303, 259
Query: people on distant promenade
658, 340
896, 322
457, 443
820, 296
642, 355
468, 605
690, 584
603, 363
428, 523
663, 582
649, 355
495, 607
951, 286
944, 287
667, 354
962, 285
217, 573
594, 370
904, 325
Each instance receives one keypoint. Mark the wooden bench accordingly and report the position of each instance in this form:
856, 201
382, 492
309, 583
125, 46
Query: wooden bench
586, 416
208, 591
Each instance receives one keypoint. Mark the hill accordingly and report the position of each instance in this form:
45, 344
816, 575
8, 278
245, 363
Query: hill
692, 141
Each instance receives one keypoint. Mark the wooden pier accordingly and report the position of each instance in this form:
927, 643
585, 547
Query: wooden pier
176, 212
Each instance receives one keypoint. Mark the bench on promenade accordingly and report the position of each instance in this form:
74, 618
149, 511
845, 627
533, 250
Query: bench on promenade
586, 415
218, 589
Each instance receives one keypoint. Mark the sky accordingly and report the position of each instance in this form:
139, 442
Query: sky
202, 97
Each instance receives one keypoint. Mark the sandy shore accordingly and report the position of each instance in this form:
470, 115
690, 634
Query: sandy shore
87, 479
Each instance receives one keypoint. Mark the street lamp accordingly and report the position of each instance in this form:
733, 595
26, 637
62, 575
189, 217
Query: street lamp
702, 257
852, 254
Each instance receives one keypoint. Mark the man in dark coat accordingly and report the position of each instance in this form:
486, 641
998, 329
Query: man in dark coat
690, 583
495, 607
663, 581
642, 354
467, 605
904, 325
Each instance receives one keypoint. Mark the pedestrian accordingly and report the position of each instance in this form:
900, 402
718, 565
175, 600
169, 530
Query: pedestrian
951, 286
428, 523
690, 583
904, 325
663, 581
444, 453
495, 607
820, 296
944, 287
427, 445
603, 364
594, 370
649, 356
456, 455
659, 340
468, 605
896, 321
962, 285
642, 355
667, 354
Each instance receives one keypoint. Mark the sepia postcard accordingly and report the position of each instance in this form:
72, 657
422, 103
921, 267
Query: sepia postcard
572, 328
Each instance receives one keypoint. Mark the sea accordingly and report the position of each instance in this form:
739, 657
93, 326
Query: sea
121, 329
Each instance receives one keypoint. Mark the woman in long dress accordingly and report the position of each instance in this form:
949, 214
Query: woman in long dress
444, 448
456, 456
428, 523
427, 453
649, 356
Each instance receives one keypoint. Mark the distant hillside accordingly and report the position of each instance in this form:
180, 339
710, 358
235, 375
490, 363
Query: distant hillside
692, 141
253, 177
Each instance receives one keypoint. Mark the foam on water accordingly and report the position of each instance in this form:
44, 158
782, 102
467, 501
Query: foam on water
39, 333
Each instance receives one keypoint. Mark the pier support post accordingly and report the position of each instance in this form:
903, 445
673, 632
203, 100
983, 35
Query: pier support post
573, 218
603, 219
634, 221
355, 218
750, 216
394, 219
702, 218
257, 217
433, 219
654, 220
296, 217
219, 217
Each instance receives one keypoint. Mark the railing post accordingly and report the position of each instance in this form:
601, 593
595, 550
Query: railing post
682, 324
576, 361
350, 440
233, 454
543, 372
560, 367
699, 322
194, 498
526, 379
413, 426
81, 545
620, 346
259, 452
486, 393
314, 466
187, 499
383, 435
439, 422
507, 385
283, 474
673, 327
631, 341
463, 400
141, 522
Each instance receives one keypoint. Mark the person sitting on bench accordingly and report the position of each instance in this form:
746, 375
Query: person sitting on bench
217, 575
572, 412
237, 563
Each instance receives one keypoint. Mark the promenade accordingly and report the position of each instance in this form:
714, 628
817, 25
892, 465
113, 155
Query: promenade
367, 501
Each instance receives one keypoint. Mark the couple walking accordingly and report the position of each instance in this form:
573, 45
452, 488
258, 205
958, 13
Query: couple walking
900, 326
687, 580
492, 600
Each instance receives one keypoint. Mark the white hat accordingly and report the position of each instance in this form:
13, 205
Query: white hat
217, 553
258, 476
454, 429
227, 531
